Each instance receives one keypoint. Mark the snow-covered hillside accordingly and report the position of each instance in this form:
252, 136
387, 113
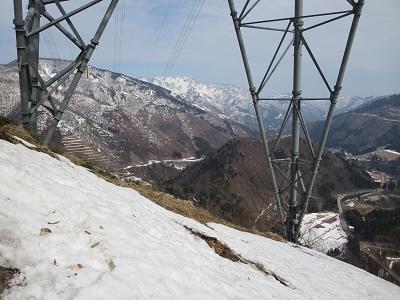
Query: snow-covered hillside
227, 100
122, 120
125, 119
108, 242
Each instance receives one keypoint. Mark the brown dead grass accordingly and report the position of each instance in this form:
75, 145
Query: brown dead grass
9, 130
182, 207
219, 248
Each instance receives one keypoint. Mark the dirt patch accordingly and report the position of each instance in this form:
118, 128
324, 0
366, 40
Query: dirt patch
226, 252
10, 129
330, 220
319, 226
6, 275
219, 248
179, 206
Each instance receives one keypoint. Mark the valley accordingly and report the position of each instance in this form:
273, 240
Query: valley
199, 142
199, 150
371, 221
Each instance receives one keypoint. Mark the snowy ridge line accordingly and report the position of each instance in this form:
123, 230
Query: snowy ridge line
135, 243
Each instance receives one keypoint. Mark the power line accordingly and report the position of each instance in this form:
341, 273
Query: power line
185, 32
188, 33
181, 34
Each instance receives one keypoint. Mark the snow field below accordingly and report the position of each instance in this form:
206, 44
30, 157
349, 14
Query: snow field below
323, 232
109, 242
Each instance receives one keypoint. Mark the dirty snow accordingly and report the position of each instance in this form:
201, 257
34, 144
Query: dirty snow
25, 143
109, 242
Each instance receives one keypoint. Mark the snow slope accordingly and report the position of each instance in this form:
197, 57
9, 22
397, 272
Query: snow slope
108, 242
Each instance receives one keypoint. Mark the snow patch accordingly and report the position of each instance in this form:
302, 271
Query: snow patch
392, 151
25, 143
323, 232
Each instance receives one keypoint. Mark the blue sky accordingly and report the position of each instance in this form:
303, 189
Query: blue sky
140, 43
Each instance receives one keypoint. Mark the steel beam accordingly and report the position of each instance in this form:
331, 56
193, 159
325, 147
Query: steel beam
33, 59
63, 12
296, 93
64, 31
23, 68
60, 19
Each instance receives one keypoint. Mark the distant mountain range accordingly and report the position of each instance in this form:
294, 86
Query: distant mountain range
229, 101
370, 126
126, 121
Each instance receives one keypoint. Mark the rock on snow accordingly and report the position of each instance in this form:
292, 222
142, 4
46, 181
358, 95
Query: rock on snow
108, 242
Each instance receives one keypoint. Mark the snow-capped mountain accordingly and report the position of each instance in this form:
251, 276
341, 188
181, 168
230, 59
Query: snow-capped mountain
85, 238
226, 100
126, 119
234, 102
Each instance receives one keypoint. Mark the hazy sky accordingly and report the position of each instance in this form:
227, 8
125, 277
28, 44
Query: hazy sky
142, 34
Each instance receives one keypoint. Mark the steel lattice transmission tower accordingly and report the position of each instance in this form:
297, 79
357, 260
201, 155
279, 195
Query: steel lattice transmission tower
294, 191
36, 92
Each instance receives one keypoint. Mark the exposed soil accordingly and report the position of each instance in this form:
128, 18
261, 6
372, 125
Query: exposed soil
6, 275
226, 252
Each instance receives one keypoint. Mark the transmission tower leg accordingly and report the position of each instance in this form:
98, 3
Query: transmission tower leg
296, 93
88, 54
333, 98
22, 61
33, 57
299, 189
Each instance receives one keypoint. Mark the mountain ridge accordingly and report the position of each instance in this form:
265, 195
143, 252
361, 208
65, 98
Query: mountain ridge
366, 128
